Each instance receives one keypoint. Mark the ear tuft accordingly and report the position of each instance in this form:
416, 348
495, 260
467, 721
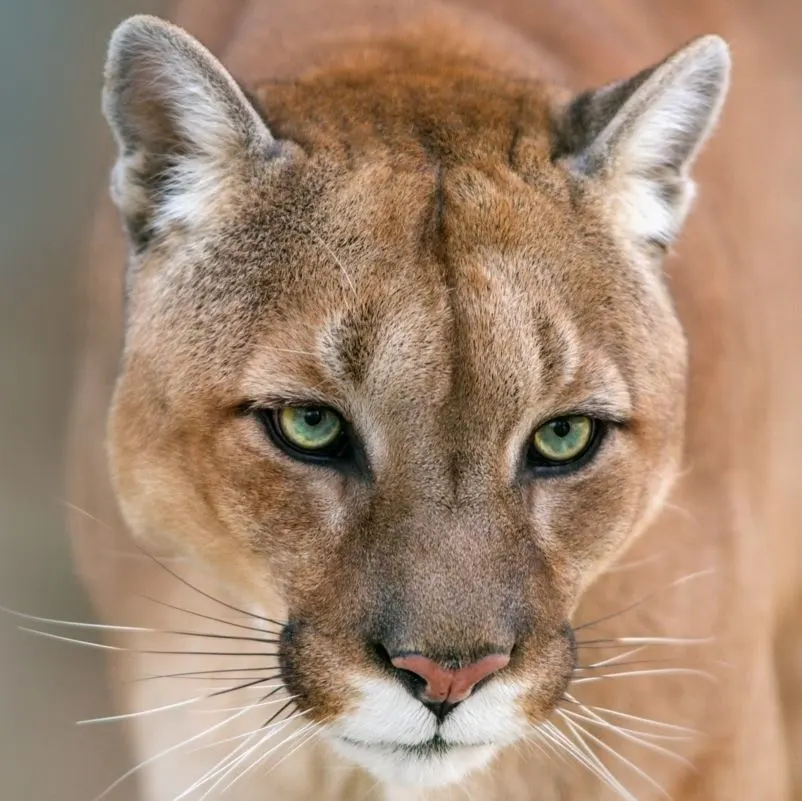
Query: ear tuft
181, 124
640, 138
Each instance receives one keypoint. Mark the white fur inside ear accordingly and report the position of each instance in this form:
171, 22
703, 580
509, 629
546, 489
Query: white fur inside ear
194, 190
181, 122
655, 137
642, 213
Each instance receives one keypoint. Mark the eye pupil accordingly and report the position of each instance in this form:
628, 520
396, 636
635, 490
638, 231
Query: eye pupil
562, 428
313, 417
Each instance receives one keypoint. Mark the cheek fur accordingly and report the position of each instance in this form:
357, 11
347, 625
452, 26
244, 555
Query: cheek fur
584, 519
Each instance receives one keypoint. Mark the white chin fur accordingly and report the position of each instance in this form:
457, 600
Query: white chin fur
401, 768
379, 730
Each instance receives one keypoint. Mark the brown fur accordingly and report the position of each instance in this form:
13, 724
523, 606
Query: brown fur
417, 231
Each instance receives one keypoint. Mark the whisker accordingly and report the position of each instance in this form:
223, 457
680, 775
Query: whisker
295, 735
203, 616
217, 678
83, 512
161, 564
655, 672
607, 663
629, 734
371, 789
590, 761
635, 718
115, 551
104, 647
214, 771
618, 756
232, 764
626, 566
541, 746
218, 770
254, 683
75, 623
598, 767
621, 642
257, 705
224, 763
591, 717
678, 582
314, 235
251, 733
561, 746
208, 675
565, 745
316, 733
686, 513
276, 715
150, 760
234, 637
206, 594
254, 688
141, 713
187, 702
61, 638
615, 659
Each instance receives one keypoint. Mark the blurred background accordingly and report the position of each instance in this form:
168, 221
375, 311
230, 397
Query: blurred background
54, 153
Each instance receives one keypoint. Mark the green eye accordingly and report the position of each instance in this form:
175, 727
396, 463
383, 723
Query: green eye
563, 439
309, 428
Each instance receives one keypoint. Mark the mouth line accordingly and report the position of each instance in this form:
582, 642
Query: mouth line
436, 746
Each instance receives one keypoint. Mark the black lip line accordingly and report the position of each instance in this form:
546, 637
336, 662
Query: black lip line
427, 748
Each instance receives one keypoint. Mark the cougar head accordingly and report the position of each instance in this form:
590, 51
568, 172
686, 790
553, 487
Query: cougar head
418, 382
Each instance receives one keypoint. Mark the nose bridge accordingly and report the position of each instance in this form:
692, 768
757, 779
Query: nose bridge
451, 594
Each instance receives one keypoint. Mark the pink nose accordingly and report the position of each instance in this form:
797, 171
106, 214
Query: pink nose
451, 686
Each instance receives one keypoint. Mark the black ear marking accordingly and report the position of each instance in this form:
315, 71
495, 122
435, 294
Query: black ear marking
590, 112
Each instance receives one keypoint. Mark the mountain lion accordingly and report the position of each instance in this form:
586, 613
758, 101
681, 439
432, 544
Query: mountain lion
440, 464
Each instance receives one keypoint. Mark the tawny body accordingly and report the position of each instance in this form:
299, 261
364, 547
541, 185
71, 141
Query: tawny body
733, 515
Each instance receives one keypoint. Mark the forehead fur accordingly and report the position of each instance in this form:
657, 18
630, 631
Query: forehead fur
406, 239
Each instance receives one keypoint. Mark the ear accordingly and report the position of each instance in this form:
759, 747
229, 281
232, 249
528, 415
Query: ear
182, 125
639, 138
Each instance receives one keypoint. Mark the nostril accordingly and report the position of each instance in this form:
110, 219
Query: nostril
381, 654
437, 679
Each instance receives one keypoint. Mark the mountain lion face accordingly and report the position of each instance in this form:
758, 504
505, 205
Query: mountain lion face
400, 366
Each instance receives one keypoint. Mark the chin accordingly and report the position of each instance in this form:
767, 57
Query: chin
432, 765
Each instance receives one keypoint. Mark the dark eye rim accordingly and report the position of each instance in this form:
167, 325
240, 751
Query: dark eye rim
338, 451
537, 465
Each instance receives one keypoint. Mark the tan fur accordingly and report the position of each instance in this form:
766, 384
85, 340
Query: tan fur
414, 253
